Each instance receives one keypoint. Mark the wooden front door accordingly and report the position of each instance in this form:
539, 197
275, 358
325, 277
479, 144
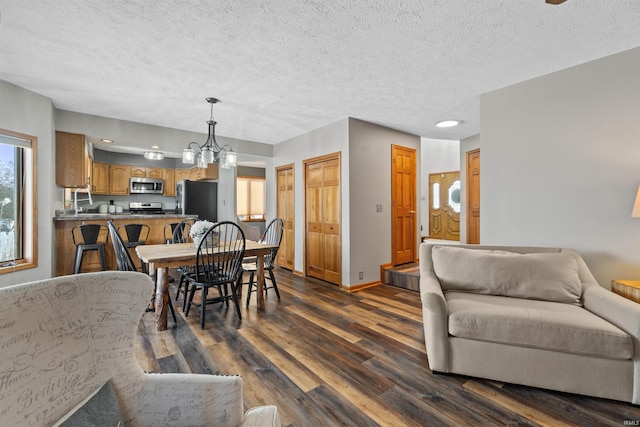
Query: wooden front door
403, 202
286, 210
473, 196
323, 235
444, 205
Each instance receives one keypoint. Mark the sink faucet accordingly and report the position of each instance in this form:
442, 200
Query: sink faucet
76, 200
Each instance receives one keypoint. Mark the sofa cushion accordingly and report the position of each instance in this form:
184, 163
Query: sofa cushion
538, 324
542, 276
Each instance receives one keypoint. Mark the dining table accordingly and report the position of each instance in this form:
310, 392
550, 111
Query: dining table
162, 257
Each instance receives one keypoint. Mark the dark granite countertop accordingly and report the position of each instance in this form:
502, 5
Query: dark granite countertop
98, 216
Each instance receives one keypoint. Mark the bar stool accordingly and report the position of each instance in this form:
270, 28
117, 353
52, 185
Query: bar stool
85, 237
134, 235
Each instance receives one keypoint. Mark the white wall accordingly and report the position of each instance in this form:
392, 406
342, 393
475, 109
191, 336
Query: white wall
370, 178
466, 145
32, 114
560, 163
325, 140
436, 155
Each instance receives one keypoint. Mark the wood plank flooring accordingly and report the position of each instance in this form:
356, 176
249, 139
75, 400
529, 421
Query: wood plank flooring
326, 357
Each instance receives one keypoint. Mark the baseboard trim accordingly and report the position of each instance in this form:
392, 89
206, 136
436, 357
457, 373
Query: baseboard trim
356, 288
298, 273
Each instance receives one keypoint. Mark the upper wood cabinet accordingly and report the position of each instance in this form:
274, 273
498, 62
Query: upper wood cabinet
169, 178
211, 172
72, 160
181, 174
154, 173
144, 172
119, 179
100, 178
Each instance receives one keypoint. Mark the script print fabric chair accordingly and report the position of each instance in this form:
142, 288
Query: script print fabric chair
218, 265
124, 261
272, 236
65, 337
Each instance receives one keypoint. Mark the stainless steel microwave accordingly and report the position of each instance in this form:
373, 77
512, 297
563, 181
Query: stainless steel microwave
145, 185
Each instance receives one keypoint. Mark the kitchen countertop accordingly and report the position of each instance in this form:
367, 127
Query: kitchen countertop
116, 216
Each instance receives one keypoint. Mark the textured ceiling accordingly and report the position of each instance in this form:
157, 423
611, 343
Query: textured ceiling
285, 67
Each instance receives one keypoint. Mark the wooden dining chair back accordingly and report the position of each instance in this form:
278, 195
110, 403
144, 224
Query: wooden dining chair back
124, 261
218, 265
272, 236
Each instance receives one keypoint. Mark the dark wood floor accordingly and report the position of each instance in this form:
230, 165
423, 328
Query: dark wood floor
326, 357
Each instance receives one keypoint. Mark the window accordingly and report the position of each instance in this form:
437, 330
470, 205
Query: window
17, 201
250, 194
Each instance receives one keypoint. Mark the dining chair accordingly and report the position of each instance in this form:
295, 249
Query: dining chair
181, 235
124, 261
272, 236
218, 265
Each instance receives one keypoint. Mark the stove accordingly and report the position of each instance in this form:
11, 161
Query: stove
146, 208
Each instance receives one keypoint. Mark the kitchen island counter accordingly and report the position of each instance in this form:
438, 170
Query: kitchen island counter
65, 248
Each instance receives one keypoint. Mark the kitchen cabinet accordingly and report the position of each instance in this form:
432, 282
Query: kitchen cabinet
211, 172
181, 174
154, 172
169, 178
100, 178
144, 172
119, 179
72, 160
138, 171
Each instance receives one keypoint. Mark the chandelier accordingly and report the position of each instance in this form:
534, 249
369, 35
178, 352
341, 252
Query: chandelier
210, 151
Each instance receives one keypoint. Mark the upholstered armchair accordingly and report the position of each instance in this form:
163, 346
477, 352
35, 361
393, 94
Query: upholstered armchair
62, 339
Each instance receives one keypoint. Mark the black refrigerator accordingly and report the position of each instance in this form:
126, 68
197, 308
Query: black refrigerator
197, 198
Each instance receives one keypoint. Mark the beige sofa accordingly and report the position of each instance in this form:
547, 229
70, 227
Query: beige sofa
63, 339
532, 316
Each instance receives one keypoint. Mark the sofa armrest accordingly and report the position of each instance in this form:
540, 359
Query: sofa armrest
262, 416
434, 314
621, 312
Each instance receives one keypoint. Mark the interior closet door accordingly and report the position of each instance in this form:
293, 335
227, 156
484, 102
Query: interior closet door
286, 210
473, 196
403, 204
444, 205
323, 252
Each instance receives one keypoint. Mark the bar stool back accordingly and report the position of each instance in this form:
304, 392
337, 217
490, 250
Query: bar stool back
135, 235
89, 237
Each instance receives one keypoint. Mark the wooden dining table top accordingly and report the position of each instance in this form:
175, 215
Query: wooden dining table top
176, 255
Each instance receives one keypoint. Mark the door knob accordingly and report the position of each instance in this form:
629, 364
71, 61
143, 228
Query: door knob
412, 212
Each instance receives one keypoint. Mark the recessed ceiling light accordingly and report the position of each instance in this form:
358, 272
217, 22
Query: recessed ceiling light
448, 123
155, 147
108, 141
